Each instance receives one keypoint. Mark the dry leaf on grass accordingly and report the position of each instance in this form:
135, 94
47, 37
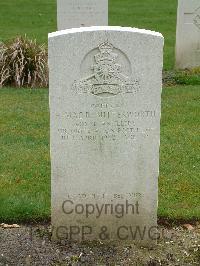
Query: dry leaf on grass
9, 226
188, 227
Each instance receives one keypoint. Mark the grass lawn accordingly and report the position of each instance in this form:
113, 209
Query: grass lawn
25, 163
24, 117
37, 18
24, 156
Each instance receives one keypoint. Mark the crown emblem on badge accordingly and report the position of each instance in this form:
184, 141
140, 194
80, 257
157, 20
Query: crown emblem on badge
107, 78
105, 46
105, 53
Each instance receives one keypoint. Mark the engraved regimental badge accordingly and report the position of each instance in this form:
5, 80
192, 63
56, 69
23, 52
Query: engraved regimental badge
107, 78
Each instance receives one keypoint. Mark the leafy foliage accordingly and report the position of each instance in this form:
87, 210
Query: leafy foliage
182, 77
188, 77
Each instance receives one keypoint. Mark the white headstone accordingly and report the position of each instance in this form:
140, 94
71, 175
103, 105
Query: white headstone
81, 13
188, 34
105, 105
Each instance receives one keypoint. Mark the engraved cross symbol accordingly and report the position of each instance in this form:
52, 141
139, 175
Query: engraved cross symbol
197, 20
193, 18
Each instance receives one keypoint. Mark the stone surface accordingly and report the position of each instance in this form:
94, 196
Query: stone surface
81, 13
105, 97
188, 34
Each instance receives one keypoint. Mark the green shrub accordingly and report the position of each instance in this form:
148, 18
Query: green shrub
188, 76
23, 63
182, 77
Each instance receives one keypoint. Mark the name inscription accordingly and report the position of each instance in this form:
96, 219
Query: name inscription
105, 125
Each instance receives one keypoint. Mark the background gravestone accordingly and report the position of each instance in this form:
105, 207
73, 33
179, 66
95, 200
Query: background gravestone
80, 13
105, 97
188, 34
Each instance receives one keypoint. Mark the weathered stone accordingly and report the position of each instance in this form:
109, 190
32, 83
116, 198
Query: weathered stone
188, 34
81, 13
105, 94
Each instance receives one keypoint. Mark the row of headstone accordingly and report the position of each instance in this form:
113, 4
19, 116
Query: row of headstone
79, 13
105, 105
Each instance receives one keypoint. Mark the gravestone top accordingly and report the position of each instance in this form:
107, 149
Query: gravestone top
104, 28
81, 13
105, 106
